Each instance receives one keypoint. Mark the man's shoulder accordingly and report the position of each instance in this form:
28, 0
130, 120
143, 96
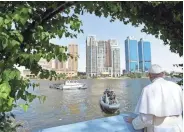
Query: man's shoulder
171, 83
148, 86
168, 83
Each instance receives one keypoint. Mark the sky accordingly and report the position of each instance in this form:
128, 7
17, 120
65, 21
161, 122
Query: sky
104, 30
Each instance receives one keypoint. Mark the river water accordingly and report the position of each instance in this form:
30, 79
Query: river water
71, 106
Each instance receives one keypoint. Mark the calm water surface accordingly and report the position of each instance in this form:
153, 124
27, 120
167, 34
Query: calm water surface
70, 106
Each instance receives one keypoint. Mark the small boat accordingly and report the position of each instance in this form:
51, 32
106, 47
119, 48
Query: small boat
109, 102
73, 84
55, 86
70, 84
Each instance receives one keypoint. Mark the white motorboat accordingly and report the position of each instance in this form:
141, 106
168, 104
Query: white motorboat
71, 84
109, 103
54, 86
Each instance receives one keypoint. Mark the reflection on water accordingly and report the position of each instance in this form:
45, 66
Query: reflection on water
70, 106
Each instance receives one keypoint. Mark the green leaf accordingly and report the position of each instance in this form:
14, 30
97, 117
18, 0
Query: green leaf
61, 50
30, 11
5, 88
25, 10
17, 17
23, 20
6, 21
14, 43
43, 98
10, 101
24, 106
37, 57
66, 48
20, 37
10, 74
37, 84
5, 45
49, 57
20, 94
31, 97
40, 27
1, 21
3, 95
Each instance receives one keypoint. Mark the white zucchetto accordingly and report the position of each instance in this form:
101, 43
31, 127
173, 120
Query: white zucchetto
156, 69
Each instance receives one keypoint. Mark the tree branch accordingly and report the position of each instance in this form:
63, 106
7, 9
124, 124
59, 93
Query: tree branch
57, 10
29, 30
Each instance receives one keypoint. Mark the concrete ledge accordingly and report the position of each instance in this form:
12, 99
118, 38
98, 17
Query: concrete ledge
108, 124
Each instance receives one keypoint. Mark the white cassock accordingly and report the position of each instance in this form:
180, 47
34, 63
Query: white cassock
160, 107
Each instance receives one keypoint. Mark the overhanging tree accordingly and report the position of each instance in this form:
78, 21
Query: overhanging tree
27, 27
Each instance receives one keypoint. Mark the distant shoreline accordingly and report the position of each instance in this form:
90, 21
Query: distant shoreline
108, 78
112, 78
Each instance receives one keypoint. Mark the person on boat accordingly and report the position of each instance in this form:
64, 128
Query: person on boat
160, 105
112, 97
105, 92
108, 93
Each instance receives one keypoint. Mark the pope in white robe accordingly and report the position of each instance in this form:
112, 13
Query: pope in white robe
160, 105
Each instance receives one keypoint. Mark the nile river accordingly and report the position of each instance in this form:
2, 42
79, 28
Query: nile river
70, 106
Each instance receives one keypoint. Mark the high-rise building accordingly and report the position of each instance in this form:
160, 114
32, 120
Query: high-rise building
62, 66
73, 61
91, 56
69, 67
131, 55
101, 56
115, 58
144, 49
116, 61
108, 54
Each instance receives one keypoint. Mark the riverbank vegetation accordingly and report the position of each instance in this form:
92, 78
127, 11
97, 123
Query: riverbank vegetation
135, 75
27, 27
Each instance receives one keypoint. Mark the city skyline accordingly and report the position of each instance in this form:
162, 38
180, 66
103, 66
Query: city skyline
68, 67
104, 29
102, 57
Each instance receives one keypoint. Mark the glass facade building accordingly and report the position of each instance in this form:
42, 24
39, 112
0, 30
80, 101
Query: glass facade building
144, 49
137, 55
131, 55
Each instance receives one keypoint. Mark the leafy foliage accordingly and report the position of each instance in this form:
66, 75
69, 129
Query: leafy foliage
61, 76
135, 75
180, 75
27, 27
25, 31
